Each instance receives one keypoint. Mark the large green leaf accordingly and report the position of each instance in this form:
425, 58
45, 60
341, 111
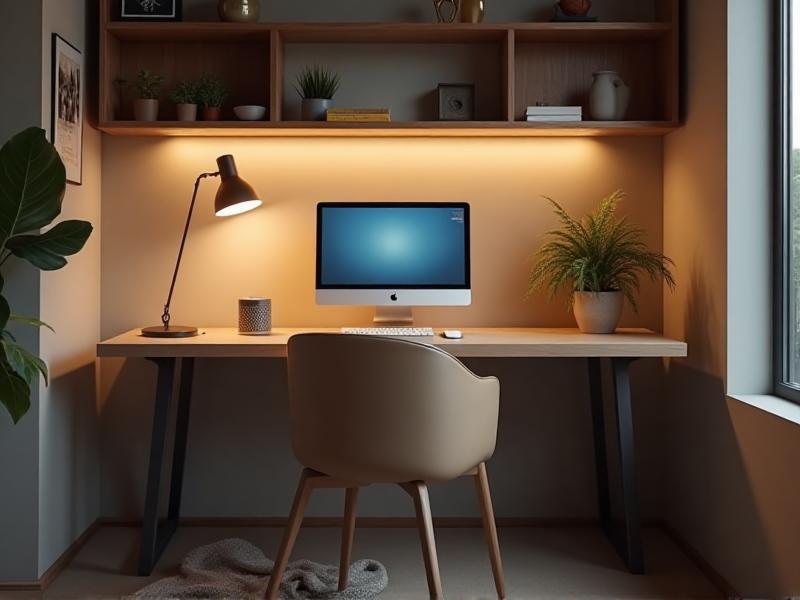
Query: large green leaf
47, 251
32, 321
15, 394
5, 312
32, 183
24, 363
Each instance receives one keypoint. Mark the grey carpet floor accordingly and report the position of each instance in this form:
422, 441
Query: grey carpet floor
550, 563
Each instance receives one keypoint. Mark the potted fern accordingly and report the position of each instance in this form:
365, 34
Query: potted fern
185, 98
317, 87
211, 94
600, 258
148, 88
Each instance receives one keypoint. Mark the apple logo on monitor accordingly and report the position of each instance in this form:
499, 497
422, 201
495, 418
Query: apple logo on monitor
393, 297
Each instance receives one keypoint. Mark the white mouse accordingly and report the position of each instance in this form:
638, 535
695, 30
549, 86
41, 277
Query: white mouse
452, 334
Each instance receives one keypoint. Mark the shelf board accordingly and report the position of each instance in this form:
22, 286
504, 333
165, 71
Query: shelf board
388, 32
397, 129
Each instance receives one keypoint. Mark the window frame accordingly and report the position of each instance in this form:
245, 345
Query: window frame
782, 204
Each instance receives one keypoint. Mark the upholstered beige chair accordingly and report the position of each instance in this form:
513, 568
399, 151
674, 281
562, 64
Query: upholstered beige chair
378, 410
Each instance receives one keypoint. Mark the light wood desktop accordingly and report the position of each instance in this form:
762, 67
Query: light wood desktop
621, 349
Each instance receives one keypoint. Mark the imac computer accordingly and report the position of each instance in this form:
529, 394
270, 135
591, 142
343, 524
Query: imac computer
393, 256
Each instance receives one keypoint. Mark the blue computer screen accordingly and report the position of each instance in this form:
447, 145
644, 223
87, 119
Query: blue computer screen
414, 246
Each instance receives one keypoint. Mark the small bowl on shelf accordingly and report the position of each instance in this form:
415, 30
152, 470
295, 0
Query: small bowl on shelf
250, 112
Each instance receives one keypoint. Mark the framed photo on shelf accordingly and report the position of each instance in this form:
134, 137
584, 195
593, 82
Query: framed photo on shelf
456, 101
151, 10
66, 111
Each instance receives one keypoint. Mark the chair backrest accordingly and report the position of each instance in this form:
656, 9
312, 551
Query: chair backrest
387, 410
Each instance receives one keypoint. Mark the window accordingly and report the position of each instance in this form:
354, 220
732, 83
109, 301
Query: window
787, 210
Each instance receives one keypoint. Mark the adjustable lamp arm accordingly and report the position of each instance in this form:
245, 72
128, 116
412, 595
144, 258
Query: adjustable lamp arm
165, 317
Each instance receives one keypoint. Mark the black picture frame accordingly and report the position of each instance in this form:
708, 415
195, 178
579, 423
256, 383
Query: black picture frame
67, 106
151, 10
456, 101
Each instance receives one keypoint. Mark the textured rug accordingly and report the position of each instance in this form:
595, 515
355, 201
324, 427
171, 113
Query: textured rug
237, 570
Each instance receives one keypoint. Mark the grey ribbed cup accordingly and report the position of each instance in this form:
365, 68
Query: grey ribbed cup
255, 316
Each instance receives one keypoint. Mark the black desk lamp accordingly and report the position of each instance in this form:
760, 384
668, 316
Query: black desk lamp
234, 196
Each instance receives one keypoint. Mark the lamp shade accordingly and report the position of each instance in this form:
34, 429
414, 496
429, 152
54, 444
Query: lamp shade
235, 195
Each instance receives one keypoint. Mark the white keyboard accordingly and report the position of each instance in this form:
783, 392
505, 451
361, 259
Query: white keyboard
390, 331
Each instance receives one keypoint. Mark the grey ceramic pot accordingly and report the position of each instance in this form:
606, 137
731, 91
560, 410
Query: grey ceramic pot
186, 112
598, 312
145, 109
315, 109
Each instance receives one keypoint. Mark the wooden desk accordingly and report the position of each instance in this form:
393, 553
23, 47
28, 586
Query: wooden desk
621, 349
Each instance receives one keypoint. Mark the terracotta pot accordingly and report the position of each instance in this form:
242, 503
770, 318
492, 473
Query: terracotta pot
145, 109
211, 113
575, 8
186, 112
598, 312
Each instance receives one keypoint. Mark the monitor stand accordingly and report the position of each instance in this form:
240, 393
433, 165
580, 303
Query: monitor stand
393, 315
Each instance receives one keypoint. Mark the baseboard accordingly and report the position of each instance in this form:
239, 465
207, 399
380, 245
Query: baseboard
41, 584
719, 582
363, 522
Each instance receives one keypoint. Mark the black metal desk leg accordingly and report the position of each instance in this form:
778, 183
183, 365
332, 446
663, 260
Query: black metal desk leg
155, 538
166, 373
600, 454
630, 492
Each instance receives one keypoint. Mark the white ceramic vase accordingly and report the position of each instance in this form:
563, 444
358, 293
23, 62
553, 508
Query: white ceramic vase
186, 112
608, 97
315, 109
145, 109
598, 312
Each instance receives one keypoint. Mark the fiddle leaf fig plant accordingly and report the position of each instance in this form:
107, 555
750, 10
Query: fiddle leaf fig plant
32, 185
598, 253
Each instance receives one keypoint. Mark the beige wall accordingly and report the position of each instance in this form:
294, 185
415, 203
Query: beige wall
239, 460
729, 470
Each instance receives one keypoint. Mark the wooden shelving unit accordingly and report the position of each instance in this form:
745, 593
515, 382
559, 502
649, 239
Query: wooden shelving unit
521, 63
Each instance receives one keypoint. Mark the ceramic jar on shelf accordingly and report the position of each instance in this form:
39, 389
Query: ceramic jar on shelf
239, 11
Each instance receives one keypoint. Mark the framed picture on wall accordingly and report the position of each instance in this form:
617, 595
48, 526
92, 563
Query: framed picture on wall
66, 111
151, 10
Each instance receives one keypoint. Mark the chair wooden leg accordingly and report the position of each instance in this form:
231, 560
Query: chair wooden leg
419, 492
304, 488
348, 531
490, 528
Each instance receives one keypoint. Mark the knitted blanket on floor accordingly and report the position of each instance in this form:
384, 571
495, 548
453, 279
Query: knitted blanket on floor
235, 569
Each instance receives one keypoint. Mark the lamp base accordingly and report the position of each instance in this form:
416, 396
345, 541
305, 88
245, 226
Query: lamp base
173, 331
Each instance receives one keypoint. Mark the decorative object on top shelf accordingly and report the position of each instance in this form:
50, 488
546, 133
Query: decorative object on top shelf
359, 115
553, 114
599, 258
33, 180
250, 112
316, 86
255, 316
446, 10
66, 108
456, 101
148, 89
239, 11
472, 11
573, 11
185, 98
151, 10
211, 94
609, 97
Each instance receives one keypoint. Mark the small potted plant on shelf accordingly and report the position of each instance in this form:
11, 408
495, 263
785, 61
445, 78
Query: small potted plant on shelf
317, 87
211, 94
185, 98
148, 89
599, 258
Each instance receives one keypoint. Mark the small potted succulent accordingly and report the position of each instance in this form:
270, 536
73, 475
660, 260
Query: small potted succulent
211, 94
148, 89
599, 258
316, 86
185, 98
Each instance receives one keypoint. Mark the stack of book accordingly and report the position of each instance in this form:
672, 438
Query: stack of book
548, 114
359, 115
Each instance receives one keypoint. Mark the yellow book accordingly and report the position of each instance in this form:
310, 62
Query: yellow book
358, 111
363, 118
